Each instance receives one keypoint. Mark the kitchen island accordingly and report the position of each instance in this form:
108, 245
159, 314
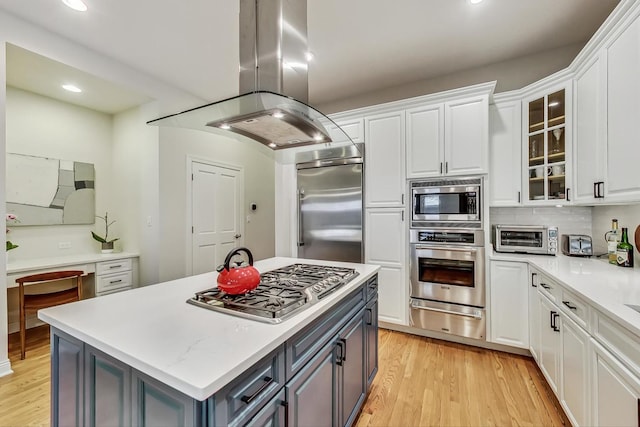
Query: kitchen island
147, 357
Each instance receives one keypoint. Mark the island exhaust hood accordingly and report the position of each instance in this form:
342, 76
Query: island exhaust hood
273, 106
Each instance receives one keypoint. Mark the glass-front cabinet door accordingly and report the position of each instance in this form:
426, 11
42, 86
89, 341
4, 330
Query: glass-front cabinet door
547, 143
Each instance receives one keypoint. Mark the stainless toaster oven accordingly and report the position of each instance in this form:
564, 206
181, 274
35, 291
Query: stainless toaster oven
527, 239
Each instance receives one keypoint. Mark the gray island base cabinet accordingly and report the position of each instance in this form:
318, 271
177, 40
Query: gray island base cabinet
320, 376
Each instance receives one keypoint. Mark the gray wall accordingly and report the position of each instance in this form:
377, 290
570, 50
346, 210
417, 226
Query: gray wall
510, 75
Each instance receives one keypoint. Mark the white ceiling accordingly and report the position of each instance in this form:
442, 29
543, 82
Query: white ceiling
359, 45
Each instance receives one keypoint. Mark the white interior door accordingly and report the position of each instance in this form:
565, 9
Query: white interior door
216, 213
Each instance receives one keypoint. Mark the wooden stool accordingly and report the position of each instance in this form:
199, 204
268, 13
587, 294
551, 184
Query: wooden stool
35, 302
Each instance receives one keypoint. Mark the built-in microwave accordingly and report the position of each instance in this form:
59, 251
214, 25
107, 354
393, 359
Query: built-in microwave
446, 203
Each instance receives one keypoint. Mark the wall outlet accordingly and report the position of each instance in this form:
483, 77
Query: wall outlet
64, 245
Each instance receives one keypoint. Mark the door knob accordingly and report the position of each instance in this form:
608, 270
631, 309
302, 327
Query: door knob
237, 236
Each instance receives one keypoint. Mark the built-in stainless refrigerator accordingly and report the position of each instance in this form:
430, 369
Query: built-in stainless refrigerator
330, 202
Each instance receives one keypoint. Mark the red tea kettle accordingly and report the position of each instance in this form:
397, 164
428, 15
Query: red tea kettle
239, 279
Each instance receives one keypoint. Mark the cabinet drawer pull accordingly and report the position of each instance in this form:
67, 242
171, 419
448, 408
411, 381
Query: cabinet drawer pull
344, 345
115, 281
554, 317
267, 382
568, 304
544, 285
369, 320
115, 266
533, 281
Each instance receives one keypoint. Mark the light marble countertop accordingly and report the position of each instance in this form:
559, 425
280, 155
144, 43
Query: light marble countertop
191, 349
605, 286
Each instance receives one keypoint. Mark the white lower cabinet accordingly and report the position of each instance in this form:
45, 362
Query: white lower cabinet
386, 246
574, 372
509, 303
549, 359
616, 391
534, 315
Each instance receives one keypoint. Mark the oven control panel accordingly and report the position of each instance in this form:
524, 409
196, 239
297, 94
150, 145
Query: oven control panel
446, 237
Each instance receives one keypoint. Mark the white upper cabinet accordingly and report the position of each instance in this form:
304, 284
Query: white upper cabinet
354, 128
590, 120
505, 173
623, 107
384, 160
547, 142
466, 136
425, 141
448, 138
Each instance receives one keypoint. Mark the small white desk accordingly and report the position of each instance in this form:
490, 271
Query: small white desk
113, 272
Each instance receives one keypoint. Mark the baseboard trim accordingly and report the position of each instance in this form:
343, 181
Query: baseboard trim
5, 368
454, 338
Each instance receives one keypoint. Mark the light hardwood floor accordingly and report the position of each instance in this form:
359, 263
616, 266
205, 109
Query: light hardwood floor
420, 382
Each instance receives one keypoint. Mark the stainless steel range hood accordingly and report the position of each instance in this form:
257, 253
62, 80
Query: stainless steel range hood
273, 106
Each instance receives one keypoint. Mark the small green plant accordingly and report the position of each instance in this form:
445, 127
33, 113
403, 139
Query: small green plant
11, 218
107, 224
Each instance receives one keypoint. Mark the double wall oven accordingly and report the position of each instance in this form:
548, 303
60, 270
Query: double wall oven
447, 257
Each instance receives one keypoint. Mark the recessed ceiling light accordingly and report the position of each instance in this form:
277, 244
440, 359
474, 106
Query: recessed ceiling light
318, 137
225, 126
76, 5
72, 88
309, 56
474, 1
272, 145
278, 115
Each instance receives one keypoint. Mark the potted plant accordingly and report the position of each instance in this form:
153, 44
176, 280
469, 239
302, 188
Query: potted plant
107, 245
10, 245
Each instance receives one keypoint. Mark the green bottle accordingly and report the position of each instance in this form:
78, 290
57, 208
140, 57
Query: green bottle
625, 250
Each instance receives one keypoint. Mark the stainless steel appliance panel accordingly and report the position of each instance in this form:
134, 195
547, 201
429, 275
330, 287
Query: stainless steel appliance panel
446, 203
330, 212
448, 318
453, 274
532, 239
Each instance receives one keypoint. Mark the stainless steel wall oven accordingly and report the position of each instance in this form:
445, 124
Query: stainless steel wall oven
447, 269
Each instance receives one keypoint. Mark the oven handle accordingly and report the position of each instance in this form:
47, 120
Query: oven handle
439, 310
448, 248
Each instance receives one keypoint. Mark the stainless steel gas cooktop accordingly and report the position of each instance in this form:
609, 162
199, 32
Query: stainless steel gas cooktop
281, 293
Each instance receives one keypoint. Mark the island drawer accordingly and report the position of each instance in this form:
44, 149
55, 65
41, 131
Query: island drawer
372, 287
108, 267
245, 396
306, 343
113, 282
550, 288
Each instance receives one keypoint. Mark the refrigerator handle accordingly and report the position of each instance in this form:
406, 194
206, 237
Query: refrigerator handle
300, 239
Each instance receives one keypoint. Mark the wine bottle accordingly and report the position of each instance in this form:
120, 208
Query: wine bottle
625, 250
613, 238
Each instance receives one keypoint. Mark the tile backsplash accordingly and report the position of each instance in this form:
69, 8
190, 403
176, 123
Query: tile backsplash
569, 220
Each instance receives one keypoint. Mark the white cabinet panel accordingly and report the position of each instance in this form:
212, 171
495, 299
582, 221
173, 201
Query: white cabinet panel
425, 141
385, 160
505, 173
575, 372
509, 303
466, 136
590, 140
616, 391
623, 105
354, 128
534, 316
385, 245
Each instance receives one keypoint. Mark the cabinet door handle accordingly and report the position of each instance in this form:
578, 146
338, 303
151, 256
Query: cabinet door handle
248, 399
595, 190
440, 167
533, 281
601, 189
285, 404
402, 213
402, 199
568, 304
340, 356
554, 317
344, 346
446, 167
519, 199
369, 320
567, 192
